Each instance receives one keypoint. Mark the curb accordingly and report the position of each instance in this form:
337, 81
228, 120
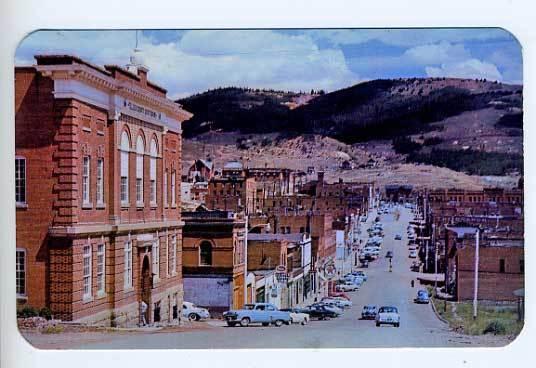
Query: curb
439, 317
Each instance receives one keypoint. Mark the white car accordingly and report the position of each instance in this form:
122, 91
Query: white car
194, 313
412, 254
340, 303
297, 316
347, 287
388, 316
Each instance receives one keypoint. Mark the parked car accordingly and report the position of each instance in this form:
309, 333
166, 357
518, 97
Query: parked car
264, 313
339, 294
331, 307
360, 274
339, 302
347, 287
194, 313
412, 254
389, 254
398, 237
364, 263
369, 312
297, 315
412, 247
422, 297
388, 315
319, 312
356, 280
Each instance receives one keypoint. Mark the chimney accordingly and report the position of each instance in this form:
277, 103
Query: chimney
142, 73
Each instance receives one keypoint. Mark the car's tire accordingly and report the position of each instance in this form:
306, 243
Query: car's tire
265, 324
304, 322
193, 317
244, 322
397, 324
278, 322
377, 324
291, 321
231, 324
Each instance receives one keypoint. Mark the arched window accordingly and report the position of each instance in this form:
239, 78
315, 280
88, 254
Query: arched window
140, 150
205, 253
152, 169
125, 149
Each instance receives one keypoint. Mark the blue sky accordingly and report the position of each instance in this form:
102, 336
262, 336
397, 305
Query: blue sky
187, 62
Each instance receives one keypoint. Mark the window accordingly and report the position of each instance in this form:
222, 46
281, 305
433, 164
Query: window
521, 265
20, 180
501, 266
165, 187
128, 264
85, 179
205, 254
101, 271
21, 272
100, 180
152, 170
87, 271
156, 258
173, 199
140, 149
125, 148
173, 254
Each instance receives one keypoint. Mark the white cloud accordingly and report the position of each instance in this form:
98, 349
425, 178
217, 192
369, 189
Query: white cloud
209, 59
443, 52
472, 68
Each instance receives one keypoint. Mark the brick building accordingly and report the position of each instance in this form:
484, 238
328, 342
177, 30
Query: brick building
293, 251
501, 265
214, 259
98, 158
231, 194
201, 171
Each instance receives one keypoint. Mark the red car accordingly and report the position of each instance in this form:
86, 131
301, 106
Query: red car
339, 293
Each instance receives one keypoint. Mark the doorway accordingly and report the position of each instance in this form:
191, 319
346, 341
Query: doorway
146, 286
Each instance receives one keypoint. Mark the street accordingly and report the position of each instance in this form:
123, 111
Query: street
419, 325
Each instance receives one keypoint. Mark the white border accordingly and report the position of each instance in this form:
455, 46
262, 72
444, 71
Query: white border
19, 17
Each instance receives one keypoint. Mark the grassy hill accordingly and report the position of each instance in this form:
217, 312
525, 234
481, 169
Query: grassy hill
468, 125
377, 109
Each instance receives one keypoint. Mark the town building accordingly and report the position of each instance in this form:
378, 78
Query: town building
231, 193
201, 171
98, 161
292, 252
501, 264
213, 254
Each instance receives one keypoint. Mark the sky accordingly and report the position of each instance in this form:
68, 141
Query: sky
192, 61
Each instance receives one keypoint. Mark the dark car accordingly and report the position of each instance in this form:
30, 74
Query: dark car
369, 312
389, 254
319, 312
422, 297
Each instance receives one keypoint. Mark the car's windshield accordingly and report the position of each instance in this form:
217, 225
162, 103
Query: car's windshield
388, 310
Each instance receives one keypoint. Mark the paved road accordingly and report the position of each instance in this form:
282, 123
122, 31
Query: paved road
419, 325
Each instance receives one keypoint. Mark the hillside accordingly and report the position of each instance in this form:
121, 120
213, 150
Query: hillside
456, 126
377, 109
243, 109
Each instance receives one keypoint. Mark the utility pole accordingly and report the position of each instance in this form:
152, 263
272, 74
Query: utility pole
435, 258
475, 296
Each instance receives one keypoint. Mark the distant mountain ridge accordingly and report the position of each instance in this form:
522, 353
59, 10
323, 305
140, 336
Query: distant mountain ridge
377, 109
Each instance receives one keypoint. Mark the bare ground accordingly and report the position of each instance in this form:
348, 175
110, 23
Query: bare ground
372, 161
